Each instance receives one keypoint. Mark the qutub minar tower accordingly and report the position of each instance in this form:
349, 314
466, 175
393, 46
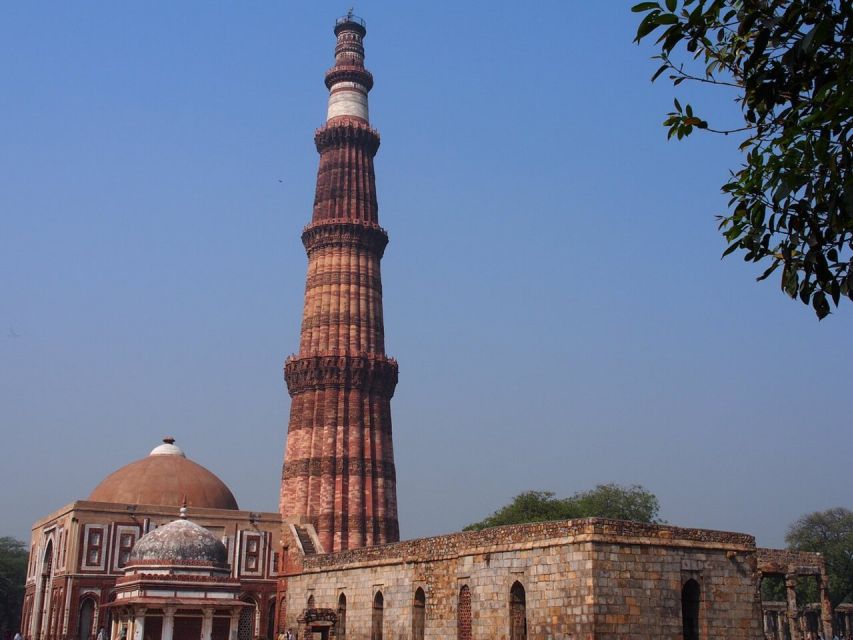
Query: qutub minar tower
338, 469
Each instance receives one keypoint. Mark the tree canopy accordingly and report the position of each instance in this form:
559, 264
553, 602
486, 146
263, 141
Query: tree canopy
789, 63
13, 574
828, 532
605, 501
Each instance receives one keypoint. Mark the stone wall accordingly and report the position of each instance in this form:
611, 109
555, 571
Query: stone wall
785, 561
556, 580
638, 587
582, 579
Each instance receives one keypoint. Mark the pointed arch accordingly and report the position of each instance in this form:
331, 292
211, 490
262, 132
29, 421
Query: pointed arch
463, 614
418, 614
517, 612
47, 559
342, 617
271, 619
691, 596
378, 616
246, 621
86, 618
42, 621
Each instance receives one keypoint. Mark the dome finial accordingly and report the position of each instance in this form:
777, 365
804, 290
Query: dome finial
183, 511
168, 448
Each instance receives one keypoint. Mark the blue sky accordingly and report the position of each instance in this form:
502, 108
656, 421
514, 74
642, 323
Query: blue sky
553, 287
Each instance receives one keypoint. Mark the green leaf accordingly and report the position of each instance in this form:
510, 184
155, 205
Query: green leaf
663, 68
645, 6
731, 249
769, 271
821, 306
666, 18
671, 4
646, 27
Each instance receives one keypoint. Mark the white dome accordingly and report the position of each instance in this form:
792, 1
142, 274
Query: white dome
168, 448
179, 542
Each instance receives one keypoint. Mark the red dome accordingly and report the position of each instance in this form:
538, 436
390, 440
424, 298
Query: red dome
166, 477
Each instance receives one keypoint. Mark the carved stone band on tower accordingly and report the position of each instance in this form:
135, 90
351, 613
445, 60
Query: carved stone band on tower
339, 470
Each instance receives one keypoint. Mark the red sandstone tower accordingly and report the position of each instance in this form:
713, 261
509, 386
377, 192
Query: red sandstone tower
339, 462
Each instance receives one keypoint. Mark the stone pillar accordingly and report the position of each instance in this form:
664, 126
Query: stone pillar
793, 615
119, 631
139, 624
825, 605
38, 602
168, 623
234, 628
207, 624
772, 625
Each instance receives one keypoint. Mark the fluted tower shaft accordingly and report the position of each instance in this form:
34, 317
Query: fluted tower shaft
338, 469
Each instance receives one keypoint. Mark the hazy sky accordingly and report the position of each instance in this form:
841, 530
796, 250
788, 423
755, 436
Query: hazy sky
553, 287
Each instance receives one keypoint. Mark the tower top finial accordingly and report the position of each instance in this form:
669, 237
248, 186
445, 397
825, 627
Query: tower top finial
352, 22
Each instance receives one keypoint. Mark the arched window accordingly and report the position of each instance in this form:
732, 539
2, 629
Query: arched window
310, 604
463, 614
378, 615
690, 597
342, 617
47, 564
418, 615
517, 612
87, 617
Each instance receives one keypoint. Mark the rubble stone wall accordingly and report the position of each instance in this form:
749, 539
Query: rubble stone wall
582, 579
638, 591
557, 581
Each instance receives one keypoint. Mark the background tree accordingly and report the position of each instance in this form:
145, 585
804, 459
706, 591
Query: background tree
773, 589
790, 64
828, 532
13, 574
605, 501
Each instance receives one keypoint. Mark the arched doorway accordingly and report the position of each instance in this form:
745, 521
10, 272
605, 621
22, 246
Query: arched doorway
378, 616
463, 614
86, 619
271, 619
418, 615
341, 628
106, 615
690, 599
246, 623
43, 604
517, 612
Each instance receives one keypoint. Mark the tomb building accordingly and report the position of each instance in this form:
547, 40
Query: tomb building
80, 552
